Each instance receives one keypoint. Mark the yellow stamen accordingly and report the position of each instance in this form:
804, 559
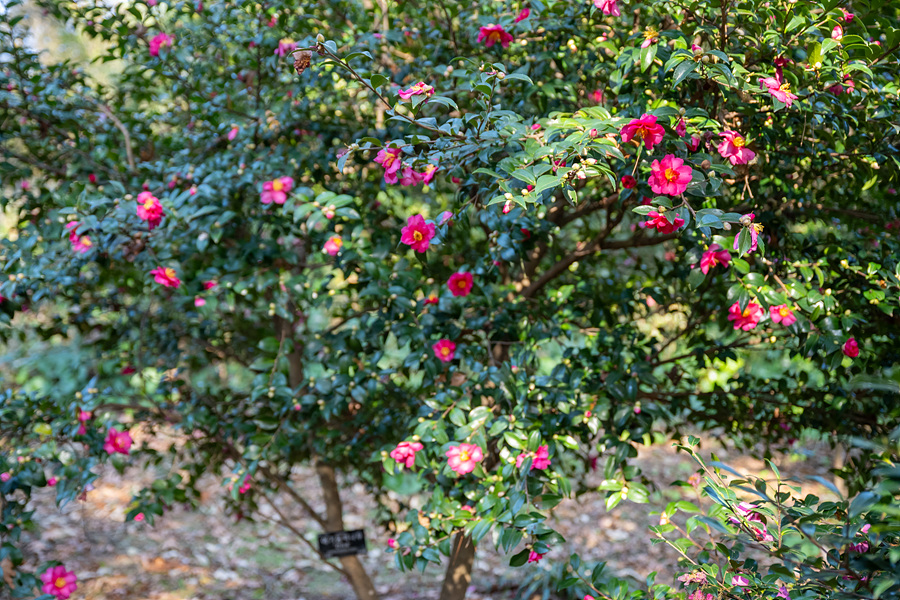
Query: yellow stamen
464, 456
739, 141
170, 273
277, 185
60, 582
417, 235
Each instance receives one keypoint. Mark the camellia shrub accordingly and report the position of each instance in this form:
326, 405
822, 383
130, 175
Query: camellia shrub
465, 252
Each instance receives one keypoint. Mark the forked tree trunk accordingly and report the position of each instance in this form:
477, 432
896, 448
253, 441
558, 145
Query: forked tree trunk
459, 570
334, 509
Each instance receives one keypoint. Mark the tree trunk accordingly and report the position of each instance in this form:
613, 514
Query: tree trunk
459, 571
359, 579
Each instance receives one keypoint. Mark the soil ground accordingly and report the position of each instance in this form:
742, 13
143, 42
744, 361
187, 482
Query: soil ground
205, 555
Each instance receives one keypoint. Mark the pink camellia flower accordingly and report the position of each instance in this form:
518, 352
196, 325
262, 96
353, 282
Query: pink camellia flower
782, 314
540, 459
651, 36
780, 89
117, 442
762, 535
408, 176
740, 581
494, 34
245, 487
609, 7
597, 97
444, 350
865, 528
427, 175
714, 256
5, 476
464, 457
415, 90
392, 543
646, 128
695, 577
80, 243
333, 245
847, 16
662, 224
467, 508
628, 182
160, 41
232, 133
199, 301
149, 209
681, 128
746, 319
417, 234
52, 481
534, 557
460, 284
693, 144
861, 547
444, 217
851, 348
285, 47
755, 229
389, 158
166, 277
85, 416
276, 190
208, 285
525, 12
734, 148
432, 298
669, 176
405, 453
139, 517
58, 582
92, 178
783, 593
837, 34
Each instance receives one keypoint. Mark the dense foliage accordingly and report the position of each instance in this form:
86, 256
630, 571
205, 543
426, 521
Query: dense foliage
459, 251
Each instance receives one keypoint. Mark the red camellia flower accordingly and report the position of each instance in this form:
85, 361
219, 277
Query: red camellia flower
432, 298
464, 457
540, 459
714, 256
851, 348
92, 178
609, 7
746, 319
285, 47
166, 277
58, 582
80, 243
734, 148
669, 176
645, 128
208, 285
662, 224
628, 182
444, 350
417, 234
460, 284
117, 442
333, 245
149, 209
159, 41
389, 158
415, 90
276, 190
782, 314
405, 453
780, 89
534, 557
494, 34
523, 14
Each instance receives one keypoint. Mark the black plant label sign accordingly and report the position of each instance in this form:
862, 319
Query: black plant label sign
342, 543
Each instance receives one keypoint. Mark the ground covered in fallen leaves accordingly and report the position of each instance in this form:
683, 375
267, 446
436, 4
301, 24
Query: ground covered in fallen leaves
206, 555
